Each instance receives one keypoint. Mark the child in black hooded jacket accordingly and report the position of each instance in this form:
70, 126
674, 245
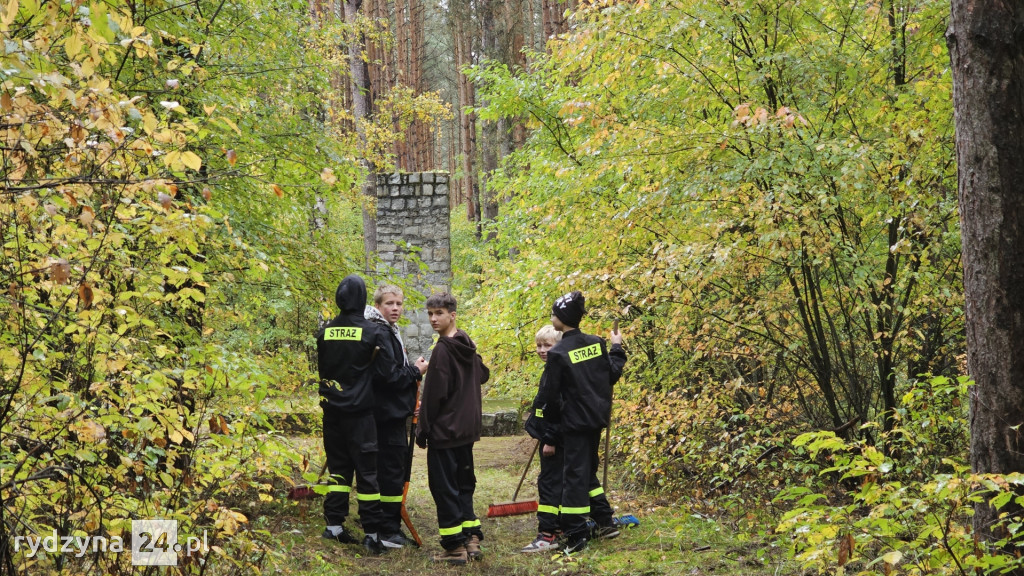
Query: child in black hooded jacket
351, 352
578, 378
449, 424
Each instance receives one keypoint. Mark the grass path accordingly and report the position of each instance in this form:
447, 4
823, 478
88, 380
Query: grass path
671, 539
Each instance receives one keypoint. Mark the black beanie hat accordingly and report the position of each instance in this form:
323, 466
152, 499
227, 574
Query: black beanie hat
570, 308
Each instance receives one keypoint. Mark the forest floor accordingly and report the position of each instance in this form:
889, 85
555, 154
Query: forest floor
673, 538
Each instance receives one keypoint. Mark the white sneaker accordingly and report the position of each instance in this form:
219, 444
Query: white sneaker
543, 542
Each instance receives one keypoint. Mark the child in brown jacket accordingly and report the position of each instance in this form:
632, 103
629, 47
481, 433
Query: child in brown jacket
448, 426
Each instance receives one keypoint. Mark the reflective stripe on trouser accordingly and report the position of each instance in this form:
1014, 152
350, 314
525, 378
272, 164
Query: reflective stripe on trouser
600, 510
392, 459
577, 477
451, 530
471, 527
549, 491
350, 443
452, 484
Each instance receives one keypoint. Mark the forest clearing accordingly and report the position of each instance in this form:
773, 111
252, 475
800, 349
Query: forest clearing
674, 538
801, 217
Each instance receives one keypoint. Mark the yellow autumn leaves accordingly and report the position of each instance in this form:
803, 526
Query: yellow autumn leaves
180, 159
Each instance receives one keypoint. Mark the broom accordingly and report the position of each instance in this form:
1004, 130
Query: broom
513, 508
608, 430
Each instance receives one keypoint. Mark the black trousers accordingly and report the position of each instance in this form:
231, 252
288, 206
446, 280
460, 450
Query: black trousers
582, 494
600, 509
350, 442
452, 481
549, 491
392, 462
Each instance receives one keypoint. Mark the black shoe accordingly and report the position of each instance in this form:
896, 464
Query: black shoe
574, 545
344, 537
604, 532
373, 545
397, 541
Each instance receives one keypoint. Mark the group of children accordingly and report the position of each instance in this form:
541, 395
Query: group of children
368, 389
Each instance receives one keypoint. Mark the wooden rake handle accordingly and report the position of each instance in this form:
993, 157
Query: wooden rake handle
608, 430
526, 469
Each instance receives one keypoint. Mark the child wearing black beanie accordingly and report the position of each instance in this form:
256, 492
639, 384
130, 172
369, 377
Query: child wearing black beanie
570, 308
578, 379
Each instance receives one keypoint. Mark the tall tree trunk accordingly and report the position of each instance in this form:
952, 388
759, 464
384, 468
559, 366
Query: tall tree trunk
530, 25
381, 57
555, 22
548, 8
454, 184
319, 11
403, 37
491, 47
522, 38
360, 75
986, 47
420, 132
467, 100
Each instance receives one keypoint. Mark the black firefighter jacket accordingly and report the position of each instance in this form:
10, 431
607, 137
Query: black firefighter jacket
578, 379
351, 352
544, 419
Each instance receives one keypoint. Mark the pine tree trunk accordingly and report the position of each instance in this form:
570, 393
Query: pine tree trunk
404, 76
380, 58
548, 11
467, 100
489, 131
360, 79
419, 133
986, 46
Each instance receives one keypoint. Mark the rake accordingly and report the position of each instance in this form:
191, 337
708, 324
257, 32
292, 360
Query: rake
513, 508
408, 476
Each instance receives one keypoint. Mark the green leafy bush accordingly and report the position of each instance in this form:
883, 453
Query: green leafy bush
906, 508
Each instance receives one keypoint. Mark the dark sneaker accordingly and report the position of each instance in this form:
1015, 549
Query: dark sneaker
604, 532
574, 545
373, 545
456, 557
542, 543
397, 541
473, 548
344, 537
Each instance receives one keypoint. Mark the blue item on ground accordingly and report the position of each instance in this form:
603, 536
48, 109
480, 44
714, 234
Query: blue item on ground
626, 521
